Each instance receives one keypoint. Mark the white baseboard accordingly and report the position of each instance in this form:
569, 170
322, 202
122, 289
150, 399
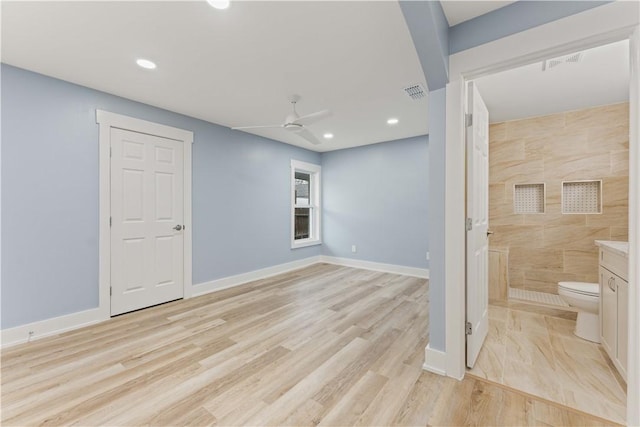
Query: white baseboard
435, 361
377, 266
240, 279
57, 325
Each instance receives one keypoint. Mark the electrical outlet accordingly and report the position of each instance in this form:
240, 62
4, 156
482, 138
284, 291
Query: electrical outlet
427, 255
354, 249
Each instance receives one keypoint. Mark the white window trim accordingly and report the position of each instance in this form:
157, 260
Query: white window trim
316, 232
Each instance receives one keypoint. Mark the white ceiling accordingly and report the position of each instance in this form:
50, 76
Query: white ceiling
238, 66
600, 78
460, 11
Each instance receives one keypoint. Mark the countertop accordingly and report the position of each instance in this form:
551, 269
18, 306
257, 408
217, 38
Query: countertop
620, 248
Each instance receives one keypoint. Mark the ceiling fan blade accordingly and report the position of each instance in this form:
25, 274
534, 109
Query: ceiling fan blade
257, 127
313, 117
304, 133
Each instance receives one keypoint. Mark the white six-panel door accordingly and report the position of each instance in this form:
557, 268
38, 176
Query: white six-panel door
147, 220
477, 225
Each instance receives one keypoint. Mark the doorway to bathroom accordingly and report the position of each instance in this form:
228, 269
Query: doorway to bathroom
558, 181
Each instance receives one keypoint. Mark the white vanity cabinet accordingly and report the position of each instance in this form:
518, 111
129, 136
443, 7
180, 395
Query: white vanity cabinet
614, 301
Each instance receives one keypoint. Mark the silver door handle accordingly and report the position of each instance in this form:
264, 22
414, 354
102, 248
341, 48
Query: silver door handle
612, 279
177, 227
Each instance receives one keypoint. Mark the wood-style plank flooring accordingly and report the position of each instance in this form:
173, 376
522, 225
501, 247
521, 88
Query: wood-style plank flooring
325, 345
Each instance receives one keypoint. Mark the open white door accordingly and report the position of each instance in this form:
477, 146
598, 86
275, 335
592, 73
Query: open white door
477, 139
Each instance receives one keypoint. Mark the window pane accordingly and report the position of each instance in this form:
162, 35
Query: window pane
302, 228
303, 188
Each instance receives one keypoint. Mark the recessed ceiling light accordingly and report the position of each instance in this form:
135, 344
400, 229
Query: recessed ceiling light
145, 63
393, 121
219, 4
328, 135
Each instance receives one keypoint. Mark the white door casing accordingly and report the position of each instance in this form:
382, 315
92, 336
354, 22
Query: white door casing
477, 141
146, 220
605, 24
110, 121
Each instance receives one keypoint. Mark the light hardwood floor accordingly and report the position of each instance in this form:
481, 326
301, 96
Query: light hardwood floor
325, 345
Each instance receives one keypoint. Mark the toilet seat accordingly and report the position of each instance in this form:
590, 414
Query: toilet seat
582, 288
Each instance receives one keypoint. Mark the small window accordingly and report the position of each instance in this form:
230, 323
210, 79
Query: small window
305, 204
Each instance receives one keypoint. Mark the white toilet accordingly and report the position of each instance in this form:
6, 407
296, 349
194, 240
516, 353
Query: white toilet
585, 297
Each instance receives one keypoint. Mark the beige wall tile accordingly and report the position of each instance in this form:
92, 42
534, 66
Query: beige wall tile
615, 191
506, 151
497, 131
547, 281
589, 166
620, 234
536, 126
553, 216
573, 237
581, 262
517, 235
618, 215
587, 144
592, 277
498, 274
554, 193
566, 143
520, 171
607, 116
502, 214
527, 258
608, 138
497, 193
534, 147
516, 278
615, 201
620, 163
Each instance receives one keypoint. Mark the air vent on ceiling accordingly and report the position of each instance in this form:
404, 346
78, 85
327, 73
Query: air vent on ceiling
415, 92
566, 59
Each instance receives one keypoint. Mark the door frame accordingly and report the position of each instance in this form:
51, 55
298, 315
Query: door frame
106, 121
614, 23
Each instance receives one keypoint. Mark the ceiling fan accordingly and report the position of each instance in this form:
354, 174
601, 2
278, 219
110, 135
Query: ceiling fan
295, 123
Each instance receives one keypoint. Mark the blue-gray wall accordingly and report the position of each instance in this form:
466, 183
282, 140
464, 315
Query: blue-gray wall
375, 197
429, 30
437, 195
241, 212
513, 18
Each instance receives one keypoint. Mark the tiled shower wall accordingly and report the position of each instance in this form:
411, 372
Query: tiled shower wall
591, 144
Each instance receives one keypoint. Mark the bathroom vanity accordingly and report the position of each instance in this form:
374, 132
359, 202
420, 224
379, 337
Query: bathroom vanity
614, 301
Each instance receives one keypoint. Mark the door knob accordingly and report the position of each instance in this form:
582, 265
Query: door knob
177, 227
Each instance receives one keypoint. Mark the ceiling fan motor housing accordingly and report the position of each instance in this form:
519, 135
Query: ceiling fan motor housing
292, 127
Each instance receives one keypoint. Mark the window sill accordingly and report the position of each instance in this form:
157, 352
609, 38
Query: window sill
305, 243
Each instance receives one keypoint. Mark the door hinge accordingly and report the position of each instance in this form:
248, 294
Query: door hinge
468, 328
110, 152
469, 224
468, 120
110, 221
110, 291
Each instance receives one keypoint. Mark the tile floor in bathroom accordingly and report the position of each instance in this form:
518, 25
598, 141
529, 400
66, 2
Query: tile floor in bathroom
533, 349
